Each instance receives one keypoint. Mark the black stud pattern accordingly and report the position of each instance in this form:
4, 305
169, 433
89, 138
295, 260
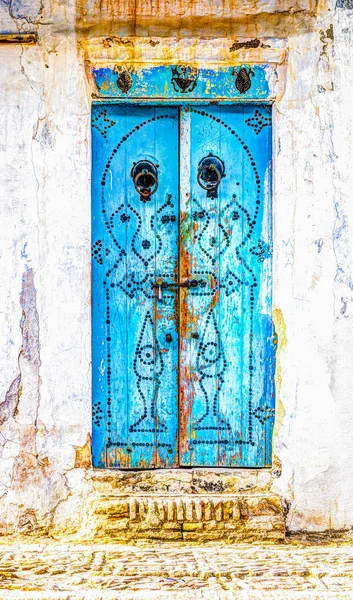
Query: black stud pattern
233, 212
207, 241
258, 121
210, 368
126, 214
97, 413
262, 250
264, 413
148, 367
111, 444
97, 252
102, 123
148, 364
211, 361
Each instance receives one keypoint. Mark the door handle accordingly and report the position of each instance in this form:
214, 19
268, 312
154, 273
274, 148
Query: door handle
145, 178
209, 174
183, 284
189, 283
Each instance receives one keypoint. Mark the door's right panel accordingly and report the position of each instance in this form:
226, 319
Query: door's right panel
227, 352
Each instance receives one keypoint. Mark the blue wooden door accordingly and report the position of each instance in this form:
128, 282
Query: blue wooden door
227, 342
183, 342
135, 243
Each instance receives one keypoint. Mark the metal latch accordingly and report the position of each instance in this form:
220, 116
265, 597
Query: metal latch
189, 283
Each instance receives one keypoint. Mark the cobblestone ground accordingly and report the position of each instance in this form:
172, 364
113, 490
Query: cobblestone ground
45, 570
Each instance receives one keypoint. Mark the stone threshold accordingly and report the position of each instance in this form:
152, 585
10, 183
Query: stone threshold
191, 505
182, 481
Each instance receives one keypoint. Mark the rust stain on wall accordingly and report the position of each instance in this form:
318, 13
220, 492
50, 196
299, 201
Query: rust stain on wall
83, 454
184, 18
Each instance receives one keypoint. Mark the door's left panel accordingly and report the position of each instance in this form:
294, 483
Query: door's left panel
134, 243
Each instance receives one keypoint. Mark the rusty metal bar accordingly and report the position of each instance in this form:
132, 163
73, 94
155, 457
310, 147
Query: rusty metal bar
18, 38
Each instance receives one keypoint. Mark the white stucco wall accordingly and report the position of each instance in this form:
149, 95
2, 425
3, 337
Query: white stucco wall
313, 213
45, 379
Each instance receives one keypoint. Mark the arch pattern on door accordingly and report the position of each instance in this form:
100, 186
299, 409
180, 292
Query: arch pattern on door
183, 340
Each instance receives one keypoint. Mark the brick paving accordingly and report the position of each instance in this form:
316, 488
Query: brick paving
293, 570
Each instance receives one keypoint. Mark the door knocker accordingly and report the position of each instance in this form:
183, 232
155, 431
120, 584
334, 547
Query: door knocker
145, 177
209, 174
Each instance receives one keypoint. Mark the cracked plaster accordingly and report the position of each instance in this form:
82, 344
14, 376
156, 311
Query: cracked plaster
45, 415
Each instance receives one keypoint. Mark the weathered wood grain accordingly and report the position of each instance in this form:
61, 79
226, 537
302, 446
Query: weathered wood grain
182, 375
227, 390
137, 425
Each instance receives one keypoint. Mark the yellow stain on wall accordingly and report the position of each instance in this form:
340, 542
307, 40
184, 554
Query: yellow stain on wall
83, 454
281, 330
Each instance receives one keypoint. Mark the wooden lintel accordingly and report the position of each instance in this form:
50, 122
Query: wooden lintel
18, 38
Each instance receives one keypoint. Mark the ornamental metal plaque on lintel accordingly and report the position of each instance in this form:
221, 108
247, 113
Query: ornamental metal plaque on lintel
184, 82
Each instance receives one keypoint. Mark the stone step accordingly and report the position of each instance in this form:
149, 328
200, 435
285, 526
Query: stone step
181, 481
232, 517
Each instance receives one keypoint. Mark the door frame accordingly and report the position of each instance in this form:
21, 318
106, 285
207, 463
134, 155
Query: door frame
262, 94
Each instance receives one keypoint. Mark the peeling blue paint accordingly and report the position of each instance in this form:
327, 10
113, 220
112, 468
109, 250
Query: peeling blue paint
156, 82
218, 334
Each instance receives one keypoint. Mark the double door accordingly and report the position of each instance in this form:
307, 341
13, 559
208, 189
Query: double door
183, 341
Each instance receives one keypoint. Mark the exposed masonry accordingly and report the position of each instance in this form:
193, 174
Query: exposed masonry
203, 517
12, 419
9, 406
29, 355
20, 428
30, 351
176, 504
